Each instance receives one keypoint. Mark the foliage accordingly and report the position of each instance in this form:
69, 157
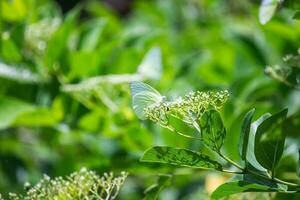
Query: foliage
244, 183
79, 185
152, 192
288, 73
64, 94
180, 157
268, 143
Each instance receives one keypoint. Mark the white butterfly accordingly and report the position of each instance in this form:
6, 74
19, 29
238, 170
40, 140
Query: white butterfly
267, 9
151, 66
143, 96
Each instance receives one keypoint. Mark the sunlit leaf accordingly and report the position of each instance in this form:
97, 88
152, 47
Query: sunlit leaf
38, 117
269, 140
41, 116
250, 157
14, 112
10, 51
244, 135
245, 183
83, 64
212, 128
10, 109
180, 157
14, 10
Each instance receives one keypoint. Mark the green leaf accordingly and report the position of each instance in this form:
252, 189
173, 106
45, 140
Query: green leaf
15, 10
269, 140
58, 42
245, 183
10, 52
291, 125
10, 109
41, 116
14, 112
244, 135
298, 165
297, 15
37, 117
250, 157
267, 9
292, 4
180, 157
213, 131
93, 34
235, 187
152, 192
83, 64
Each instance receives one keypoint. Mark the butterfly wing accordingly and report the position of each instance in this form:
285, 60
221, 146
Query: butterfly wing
144, 100
138, 87
267, 9
151, 66
143, 95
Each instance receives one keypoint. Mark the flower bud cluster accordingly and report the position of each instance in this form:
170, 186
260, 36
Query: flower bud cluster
190, 106
84, 184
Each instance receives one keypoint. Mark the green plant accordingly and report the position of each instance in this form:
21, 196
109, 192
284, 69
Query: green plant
287, 73
261, 142
64, 76
82, 185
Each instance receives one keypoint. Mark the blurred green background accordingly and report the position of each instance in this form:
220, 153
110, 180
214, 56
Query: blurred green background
47, 45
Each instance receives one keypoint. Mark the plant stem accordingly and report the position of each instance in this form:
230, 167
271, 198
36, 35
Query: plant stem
277, 180
172, 129
273, 173
289, 192
286, 183
230, 161
257, 174
231, 172
236, 164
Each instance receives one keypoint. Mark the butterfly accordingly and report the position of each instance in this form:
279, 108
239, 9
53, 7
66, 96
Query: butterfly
143, 96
